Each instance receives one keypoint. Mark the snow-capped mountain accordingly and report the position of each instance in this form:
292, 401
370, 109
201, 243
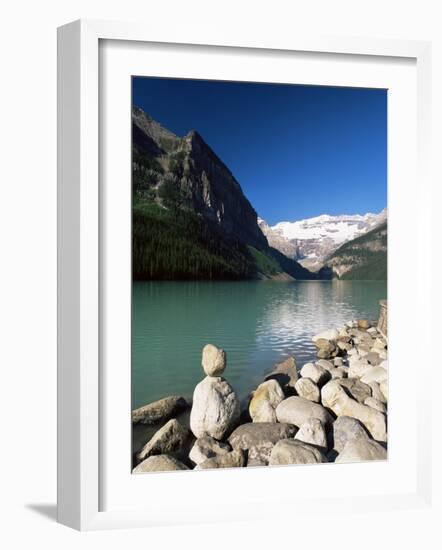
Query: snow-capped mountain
311, 240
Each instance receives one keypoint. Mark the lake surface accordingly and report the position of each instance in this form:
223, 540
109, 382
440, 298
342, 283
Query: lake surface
258, 323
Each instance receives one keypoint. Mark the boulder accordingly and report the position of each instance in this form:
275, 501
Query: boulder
364, 324
159, 411
290, 451
234, 459
297, 410
346, 428
206, 447
318, 374
326, 349
375, 374
383, 386
167, 439
361, 450
266, 398
215, 409
375, 404
159, 463
213, 360
357, 389
307, 389
285, 373
330, 334
335, 398
259, 438
313, 433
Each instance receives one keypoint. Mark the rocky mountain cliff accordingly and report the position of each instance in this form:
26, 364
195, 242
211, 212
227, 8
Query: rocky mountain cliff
312, 240
190, 216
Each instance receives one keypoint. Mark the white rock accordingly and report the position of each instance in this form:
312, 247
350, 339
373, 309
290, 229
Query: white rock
312, 431
316, 373
308, 389
331, 334
361, 450
374, 374
297, 410
215, 409
266, 398
290, 451
213, 360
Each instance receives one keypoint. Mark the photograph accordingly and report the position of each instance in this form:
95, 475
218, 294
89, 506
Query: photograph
259, 274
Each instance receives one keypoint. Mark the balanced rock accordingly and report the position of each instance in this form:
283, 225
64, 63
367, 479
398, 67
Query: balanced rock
266, 398
318, 374
159, 463
335, 398
297, 410
158, 411
285, 373
346, 428
206, 447
167, 439
290, 451
361, 450
234, 459
214, 360
307, 389
259, 438
313, 432
215, 409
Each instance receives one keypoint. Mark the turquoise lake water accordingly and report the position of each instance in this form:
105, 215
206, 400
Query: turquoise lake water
258, 323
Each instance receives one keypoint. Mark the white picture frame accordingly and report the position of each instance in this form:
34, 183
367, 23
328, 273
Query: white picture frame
81, 394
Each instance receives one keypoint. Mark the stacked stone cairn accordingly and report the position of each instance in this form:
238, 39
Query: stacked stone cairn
330, 410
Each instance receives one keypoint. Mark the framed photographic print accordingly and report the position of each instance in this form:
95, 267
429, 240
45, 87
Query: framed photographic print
232, 310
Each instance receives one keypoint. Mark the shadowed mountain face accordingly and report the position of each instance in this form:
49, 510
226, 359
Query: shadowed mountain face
191, 219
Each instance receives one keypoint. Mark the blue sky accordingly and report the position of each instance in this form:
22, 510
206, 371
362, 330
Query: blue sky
297, 151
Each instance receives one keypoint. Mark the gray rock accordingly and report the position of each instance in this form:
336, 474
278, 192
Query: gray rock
361, 450
259, 438
206, 447
285, 373
213, 360
335, 398
318, 374
234, 459
159, 463
356, 388
266, 398
215, 409
159, 411
307, 389
346, 428
290, 451
296, 410
313, 433
375, 404
167, 439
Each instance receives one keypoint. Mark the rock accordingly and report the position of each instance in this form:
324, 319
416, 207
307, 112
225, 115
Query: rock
290, 451
375, 404
376, 392
344, 346
360, 450
313, 433
214, 360
159, 411
234, 459
373, 358
334, 369
364, 324
215, 409
383, 386
266, 398
297, 410
159, 463
384, 364
357, 389
259, 438
307, 389
326, 348
337, 362
335, 398
372, 331
353, 352
285, 374
380, 343
339, 372
346, 428
358, 367
316, 373
206, 447
375, 374
323, 363
383, 354
330, 334
167, 439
